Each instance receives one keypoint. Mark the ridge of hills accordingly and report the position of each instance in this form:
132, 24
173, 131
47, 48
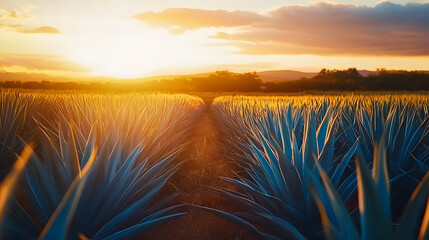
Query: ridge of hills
265, 76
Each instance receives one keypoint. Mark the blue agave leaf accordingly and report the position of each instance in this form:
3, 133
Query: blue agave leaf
381, 178
408, 221
339, 170
366, 142
121, 202
375, 224
252, 192
8, 184
142, 227
120, 220
278, 180
22, 223
399, 143
377, 119
292, 179
336, 221
36, 196
18, 231
297, 157
327, 152
58, 224
160, 212
117, 184
146, 189
248, 203
288, 229
286, 130
267, 171
366, 123
322, 131
424, 230
309, 148
40, 178
236, 220
415, 138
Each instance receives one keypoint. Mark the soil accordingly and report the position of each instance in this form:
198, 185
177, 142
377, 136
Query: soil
203, 164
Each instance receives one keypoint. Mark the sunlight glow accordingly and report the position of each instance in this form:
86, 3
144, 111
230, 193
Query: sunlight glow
126, 49
108, 40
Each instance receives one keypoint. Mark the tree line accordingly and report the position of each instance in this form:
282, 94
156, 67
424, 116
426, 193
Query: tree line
225, 81
352, 80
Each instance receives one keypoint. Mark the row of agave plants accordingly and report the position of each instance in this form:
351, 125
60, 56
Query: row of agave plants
328, 167
95, 163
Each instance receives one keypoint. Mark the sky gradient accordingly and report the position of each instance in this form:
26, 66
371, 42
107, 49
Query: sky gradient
131, 39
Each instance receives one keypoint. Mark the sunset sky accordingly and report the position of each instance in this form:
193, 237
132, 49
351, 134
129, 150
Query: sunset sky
134, 38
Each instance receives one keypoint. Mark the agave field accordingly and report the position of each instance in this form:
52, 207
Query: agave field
99, 162
335, 167
92, 166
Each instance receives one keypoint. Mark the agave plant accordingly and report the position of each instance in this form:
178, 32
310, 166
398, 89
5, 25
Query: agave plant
274, 137
159, 120
108, 198
238, 117
374, 205
277, 195
63, 196
12, 120
404, 128
9, 183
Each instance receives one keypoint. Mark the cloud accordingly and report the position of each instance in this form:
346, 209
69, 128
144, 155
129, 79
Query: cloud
20, 22
188, 19
44, 29
41, 62
13, 14
321, 29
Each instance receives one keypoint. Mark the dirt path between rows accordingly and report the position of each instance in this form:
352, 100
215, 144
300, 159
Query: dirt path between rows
204, 163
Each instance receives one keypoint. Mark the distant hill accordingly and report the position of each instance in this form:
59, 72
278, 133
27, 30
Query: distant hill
366, 73
38, 77
168, 77
265, 76
222, 81
291, 75
284, 75
24, 77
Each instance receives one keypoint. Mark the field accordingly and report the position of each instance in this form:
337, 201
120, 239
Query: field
87, 165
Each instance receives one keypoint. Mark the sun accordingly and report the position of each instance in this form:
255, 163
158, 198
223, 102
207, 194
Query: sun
130, 50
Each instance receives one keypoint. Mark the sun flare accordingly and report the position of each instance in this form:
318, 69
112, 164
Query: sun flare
112, 50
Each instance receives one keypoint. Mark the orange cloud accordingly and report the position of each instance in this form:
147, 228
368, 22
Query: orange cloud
320, 29
41, 62
44, 29
187, 19
16, 21
12, 14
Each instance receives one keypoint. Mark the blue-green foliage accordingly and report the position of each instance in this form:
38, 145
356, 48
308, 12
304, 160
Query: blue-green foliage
374, 205
298, 157
12, 123
404, 129
100, 162
113, 200
279, 167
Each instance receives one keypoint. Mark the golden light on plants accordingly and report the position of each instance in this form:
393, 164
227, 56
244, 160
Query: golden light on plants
189, 119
